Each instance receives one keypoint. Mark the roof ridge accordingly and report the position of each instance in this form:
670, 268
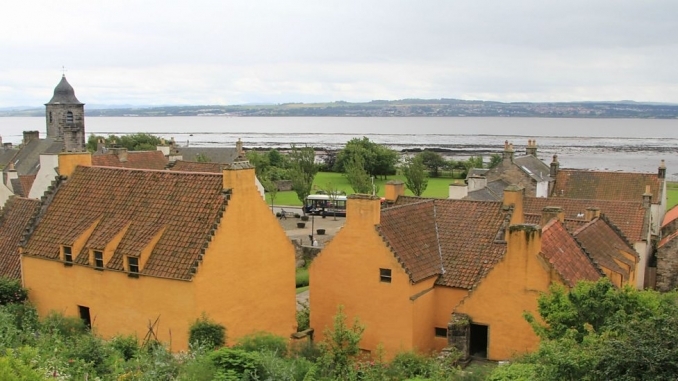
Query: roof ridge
440, 249
601, 171
148, 170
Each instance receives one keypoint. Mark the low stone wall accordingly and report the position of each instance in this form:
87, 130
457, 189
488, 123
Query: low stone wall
304, 253
284, 185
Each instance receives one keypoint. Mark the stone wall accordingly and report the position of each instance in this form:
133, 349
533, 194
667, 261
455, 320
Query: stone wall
71, 131
284, 185
667, 266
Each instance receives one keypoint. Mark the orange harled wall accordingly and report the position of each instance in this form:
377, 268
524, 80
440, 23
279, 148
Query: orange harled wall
510, 288
398, 316
246, 281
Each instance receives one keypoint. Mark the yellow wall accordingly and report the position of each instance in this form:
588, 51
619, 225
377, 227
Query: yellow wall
510, 288
446, 299
247, 276
246, 282
69, 160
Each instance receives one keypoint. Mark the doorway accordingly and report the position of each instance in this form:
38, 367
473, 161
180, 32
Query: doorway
478, 341
84, 315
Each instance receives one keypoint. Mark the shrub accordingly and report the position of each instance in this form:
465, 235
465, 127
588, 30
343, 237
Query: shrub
11, 291
57, 323
272, 367
205, 332
127, 346
263, 342
234, 364
410, 364
19, 367
91, 352
301, 277
303, 317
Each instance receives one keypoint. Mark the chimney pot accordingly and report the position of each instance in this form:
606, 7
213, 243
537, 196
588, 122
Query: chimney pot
591, 213
661, 172
647, 197
555, 166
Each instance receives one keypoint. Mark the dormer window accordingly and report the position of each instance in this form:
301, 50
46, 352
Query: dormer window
69, 117
67, 255
133, 266
98, 259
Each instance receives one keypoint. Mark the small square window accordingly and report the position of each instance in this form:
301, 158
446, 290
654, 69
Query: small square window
133, 265
68, 254
385, 275
99, 260
441, 332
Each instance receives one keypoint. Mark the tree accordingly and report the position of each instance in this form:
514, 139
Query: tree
202, 158
276, 159
133, 142
260, 162
303, 171
378, 160
415, 175
342, 343
495, 160
269, 186
332, 191
433, 161
357, 176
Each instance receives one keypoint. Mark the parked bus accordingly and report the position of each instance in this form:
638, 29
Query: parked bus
323, 204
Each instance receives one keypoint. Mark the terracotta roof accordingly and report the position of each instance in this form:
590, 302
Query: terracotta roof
628, 216
617, 186
565, 255
670, 216
184, 207
15, 218
194, 166
605, 243
135, 159
469, 238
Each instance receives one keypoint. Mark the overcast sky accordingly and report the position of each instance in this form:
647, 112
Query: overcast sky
233, 52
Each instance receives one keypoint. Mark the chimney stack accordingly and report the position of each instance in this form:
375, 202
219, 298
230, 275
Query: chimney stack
164, 148
457, 191
555, 166
239, 149
513, 196
120, 152
363, 210
531, 147
591, 213
393, 189
476, 182
29, 136
661, 173
551, 212
647, 197
69, 160
508, 151
101, 145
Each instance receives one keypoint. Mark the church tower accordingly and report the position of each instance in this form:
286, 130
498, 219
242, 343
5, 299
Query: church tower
65, 116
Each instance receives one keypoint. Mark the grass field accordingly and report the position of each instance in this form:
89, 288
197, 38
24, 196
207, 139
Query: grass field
437, 187
672, 194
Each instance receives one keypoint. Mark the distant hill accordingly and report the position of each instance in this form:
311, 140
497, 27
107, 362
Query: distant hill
395, 108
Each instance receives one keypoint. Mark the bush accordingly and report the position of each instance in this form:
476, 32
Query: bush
127, 346
301, 277
205, 332
234, 364
11, 291
272, 367
18, 367
263, 342
303, 317
410, 364
65, 326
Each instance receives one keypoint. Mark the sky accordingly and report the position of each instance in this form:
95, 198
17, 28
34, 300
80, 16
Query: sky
159, 52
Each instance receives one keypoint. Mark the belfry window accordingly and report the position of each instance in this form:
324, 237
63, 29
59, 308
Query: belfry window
50, 117
69, 117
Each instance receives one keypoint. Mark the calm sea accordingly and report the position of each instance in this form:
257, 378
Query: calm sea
613, 144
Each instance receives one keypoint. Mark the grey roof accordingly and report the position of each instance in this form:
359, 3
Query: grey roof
494, 191
27, 160
6, 154
534, 167
223, 155
64, 94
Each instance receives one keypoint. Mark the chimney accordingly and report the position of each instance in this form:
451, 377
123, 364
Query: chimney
458, 191
476, 182
11, 174
661, 173
513, 196
363, 211
164, 148
239, 149
551, 212
591, 213
239, 178
29, 136
101, 145
647, 197
120, 152
522, 255
555, 165
393, 189
531, 148
508, 151
69, 160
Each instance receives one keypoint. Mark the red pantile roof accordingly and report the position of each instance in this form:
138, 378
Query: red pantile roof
565, 255
616, 186
194, 166
628, 216
184, 207
670, 216
467, 236
15, 218
667, 239
604, 243
135, 159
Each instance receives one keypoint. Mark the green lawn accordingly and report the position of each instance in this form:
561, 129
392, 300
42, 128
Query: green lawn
672, 194
437, 187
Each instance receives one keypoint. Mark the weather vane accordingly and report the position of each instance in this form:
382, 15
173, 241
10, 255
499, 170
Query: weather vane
63, 70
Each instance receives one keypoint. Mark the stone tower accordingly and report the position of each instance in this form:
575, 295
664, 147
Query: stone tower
65, 116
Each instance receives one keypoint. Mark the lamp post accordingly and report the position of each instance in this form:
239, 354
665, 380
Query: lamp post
312, 228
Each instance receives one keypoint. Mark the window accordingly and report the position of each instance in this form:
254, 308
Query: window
85, 316
69, 117
441, 332
99, 260
385, 275
68, 255
133, 265
50, 117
